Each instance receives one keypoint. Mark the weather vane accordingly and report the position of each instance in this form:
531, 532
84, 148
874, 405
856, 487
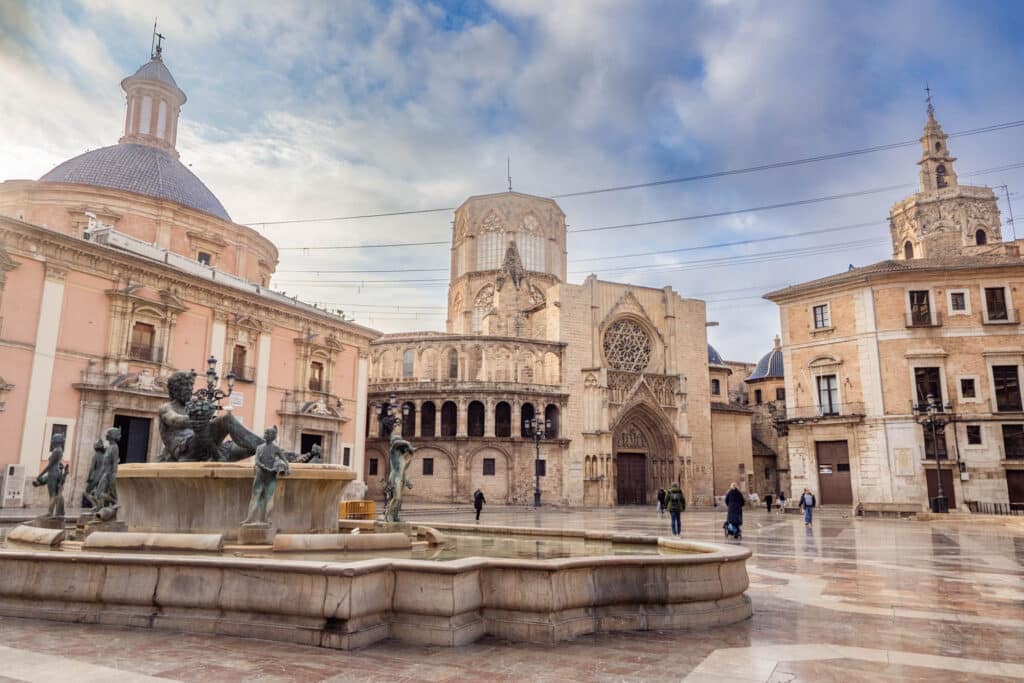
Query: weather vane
155, 47
928, 99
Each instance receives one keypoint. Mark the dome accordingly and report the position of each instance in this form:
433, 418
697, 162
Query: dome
714, 358
770, 365
142, 169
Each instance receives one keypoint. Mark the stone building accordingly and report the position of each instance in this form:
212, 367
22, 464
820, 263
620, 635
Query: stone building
766, 397
862, 348
119, 267
621, 373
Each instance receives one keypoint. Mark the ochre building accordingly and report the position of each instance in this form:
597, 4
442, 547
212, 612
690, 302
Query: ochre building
119, 267
865, 349
618, 373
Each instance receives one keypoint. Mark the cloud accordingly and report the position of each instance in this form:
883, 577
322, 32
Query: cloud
307, 109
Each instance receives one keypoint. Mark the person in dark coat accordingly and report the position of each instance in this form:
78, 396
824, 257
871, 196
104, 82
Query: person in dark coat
768, 501
734, 501
661, 501
478, 502
676, 503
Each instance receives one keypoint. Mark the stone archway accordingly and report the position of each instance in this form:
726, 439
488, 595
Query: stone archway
644, 451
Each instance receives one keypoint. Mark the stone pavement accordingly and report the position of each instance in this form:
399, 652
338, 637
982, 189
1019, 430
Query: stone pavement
848, 600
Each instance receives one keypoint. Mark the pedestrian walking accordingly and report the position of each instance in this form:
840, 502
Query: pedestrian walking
808, 502
768, 501
478, 502
661, 501
734, 501
781, 501
676, 503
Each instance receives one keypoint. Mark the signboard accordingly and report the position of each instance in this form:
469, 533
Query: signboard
237, 399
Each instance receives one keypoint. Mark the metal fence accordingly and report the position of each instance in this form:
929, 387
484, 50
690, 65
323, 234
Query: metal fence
982, 508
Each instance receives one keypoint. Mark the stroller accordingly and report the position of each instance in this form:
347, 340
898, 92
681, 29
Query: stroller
732, 530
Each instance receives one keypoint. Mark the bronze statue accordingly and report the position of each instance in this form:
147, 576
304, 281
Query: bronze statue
101, 488
191, 430
53, 476
314, 456
399, 457
269, 462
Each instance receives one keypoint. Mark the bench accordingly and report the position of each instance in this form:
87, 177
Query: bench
888, 509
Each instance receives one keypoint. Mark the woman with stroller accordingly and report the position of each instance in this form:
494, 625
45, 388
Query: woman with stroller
734, 519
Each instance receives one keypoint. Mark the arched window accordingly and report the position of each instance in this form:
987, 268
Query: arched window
527, 413
503, 419
757, 396
428, 417
408, 420
908, 250
716, 387
449, 418
938, 146
407, 363
490, 245
551, 416
476, 419
453, 364
940, 176
980, 237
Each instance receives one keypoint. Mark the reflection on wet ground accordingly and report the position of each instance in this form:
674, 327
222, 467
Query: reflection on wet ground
847, 600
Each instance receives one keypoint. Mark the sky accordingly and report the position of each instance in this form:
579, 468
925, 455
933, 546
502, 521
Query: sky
305, 110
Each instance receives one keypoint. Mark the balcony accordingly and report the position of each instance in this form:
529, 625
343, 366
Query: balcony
1007, 317
814, 413
146, 352
319, 386
244, 373
924, 320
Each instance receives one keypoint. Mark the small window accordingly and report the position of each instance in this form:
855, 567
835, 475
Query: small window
373, 467
908, 250
967, 389
453, 364
346, 456
542, 468
920, 307
958, 301
938, 146
822, 317
995, 303
980, 237
940, 176
1006, 383
974, 435
757, 396
407, 363
428, 467
842, 467
828, 394
488, 467
316, 376
716, 387
204, 258
780, 394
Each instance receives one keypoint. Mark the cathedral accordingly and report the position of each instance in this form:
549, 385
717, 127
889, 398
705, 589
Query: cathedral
593, 394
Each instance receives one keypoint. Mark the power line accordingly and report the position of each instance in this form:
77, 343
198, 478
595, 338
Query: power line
693, 217
668, 181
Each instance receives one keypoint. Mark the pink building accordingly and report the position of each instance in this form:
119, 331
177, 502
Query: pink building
119, 267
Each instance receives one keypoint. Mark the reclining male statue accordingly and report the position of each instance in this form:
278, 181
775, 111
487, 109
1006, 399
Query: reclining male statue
191, 430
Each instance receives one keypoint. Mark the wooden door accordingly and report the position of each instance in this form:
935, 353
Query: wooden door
947, 486
834, 473
1015, 487
631, 478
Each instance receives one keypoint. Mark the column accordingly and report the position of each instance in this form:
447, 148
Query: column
462, 418
259, 411
218, 338
41, 378
437, 418
362, 405
489, 417
417, 421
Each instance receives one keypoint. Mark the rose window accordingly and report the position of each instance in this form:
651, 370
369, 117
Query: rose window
627, 346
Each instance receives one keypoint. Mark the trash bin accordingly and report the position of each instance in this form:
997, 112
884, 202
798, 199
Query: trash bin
940, 504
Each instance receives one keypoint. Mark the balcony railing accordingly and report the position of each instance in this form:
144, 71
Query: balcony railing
244, 373
146, 352
1012, 317
932, 320
840, 410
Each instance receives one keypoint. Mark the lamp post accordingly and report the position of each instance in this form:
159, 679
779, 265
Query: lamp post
386, 415
931, 411
538, 428
212, 392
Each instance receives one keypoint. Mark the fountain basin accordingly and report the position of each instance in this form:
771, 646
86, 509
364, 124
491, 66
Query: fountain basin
213, 497
348, 605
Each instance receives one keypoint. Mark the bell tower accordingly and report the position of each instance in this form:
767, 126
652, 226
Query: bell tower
944, 218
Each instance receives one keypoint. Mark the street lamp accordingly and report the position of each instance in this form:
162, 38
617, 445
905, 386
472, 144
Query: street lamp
386, 415
537, 427
211, 392
931, 412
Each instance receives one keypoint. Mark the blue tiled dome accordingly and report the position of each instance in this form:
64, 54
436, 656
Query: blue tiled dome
714, 358
770, 366
141, 169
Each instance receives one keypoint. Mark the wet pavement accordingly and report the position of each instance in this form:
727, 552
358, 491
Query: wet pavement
846, 600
